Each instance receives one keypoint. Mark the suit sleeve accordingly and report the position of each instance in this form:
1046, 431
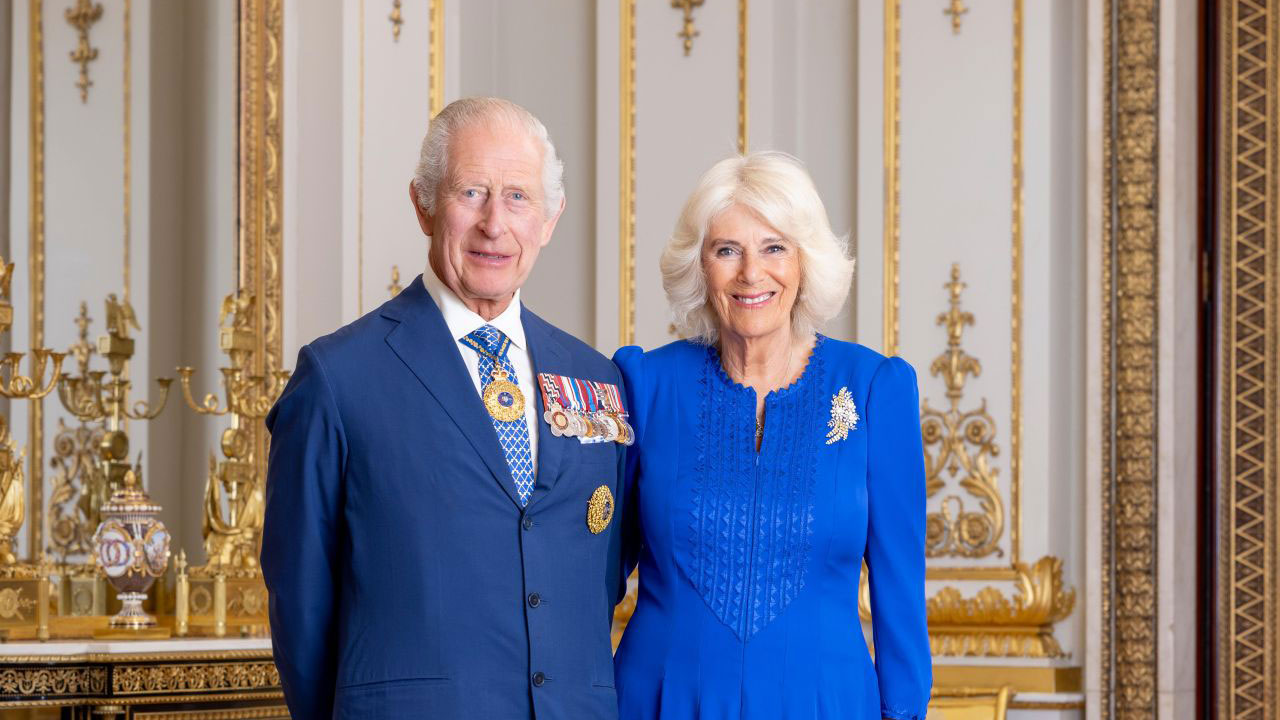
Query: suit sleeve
300, 536
630, 360
895, 541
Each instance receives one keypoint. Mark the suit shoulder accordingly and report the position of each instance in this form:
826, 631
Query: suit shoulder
592, 361
352, 341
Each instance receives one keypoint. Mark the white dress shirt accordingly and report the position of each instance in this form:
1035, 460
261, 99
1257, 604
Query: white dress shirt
462, 322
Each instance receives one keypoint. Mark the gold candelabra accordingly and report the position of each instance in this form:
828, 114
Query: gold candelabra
92, 397
16, 386
235, 482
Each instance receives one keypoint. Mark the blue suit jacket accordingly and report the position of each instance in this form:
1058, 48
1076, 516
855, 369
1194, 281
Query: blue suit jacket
402, 570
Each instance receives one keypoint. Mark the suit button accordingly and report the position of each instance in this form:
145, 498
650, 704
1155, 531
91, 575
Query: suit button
539, 679
527, 523
535, 599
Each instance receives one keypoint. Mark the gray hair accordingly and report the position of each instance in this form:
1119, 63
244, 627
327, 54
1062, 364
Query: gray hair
433, 160
776, 186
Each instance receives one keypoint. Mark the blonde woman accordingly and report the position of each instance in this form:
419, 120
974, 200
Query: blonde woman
769, 462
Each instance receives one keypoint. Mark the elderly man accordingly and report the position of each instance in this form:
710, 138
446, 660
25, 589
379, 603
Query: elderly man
439, 538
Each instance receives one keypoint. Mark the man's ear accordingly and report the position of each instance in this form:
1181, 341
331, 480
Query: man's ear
425, 221
549, 226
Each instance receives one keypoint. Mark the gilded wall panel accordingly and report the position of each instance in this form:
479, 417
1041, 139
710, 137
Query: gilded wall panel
1249, 180
1130, 263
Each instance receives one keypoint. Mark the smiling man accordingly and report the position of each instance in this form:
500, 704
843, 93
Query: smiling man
439, 538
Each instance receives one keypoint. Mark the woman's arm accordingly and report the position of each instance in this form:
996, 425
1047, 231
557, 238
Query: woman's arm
895, 541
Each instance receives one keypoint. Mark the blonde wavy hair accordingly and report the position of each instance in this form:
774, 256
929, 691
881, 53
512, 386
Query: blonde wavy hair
776, 186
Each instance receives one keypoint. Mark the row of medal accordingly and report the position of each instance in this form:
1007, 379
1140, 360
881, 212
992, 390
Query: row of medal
588, 410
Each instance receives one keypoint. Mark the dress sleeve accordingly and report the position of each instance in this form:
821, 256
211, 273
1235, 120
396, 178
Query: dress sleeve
895, 541
299, 536
630, 360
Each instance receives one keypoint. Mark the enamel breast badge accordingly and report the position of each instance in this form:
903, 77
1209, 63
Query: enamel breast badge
844, 416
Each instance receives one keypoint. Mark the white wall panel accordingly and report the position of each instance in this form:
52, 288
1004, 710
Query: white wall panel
543, 56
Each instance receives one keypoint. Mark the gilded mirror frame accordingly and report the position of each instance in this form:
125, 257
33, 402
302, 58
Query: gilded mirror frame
259, 241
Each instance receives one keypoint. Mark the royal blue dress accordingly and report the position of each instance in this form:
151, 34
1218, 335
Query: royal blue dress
749, 562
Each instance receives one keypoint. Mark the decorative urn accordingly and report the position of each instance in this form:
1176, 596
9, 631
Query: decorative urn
131, 547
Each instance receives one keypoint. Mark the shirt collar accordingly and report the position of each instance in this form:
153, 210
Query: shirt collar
462, 321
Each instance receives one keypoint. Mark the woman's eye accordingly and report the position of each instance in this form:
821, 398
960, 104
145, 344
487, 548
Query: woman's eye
775, 248
725, 252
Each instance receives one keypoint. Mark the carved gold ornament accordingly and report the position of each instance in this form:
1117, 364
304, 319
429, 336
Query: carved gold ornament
992, 625
82, 16
53, 681
156, 679
844, 416
599, 510
960, 444
395, 287
397, 19
13, 605
1130, 252
687, 29
956, 10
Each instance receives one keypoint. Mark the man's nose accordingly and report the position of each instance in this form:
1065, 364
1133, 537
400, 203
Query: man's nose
493, 222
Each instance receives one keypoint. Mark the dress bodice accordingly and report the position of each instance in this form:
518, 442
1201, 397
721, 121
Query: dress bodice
750, 561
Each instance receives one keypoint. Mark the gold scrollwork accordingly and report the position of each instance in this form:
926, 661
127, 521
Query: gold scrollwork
52, 681
990, 624
79, 488
960, 443
212, 677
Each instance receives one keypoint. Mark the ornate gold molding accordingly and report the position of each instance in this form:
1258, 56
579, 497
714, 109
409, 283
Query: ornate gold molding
1130, 319
1015, 301
742, 76
1249, 459
956, 442
52, 681
156, 657
211, 677
990, 624
35, 266
436, 50
892, 87
272, 712
260, 255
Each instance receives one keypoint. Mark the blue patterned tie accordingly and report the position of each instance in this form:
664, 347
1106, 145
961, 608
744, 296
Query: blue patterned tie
514, 435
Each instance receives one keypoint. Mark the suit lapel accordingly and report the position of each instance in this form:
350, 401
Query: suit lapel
548, 356
423, 342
